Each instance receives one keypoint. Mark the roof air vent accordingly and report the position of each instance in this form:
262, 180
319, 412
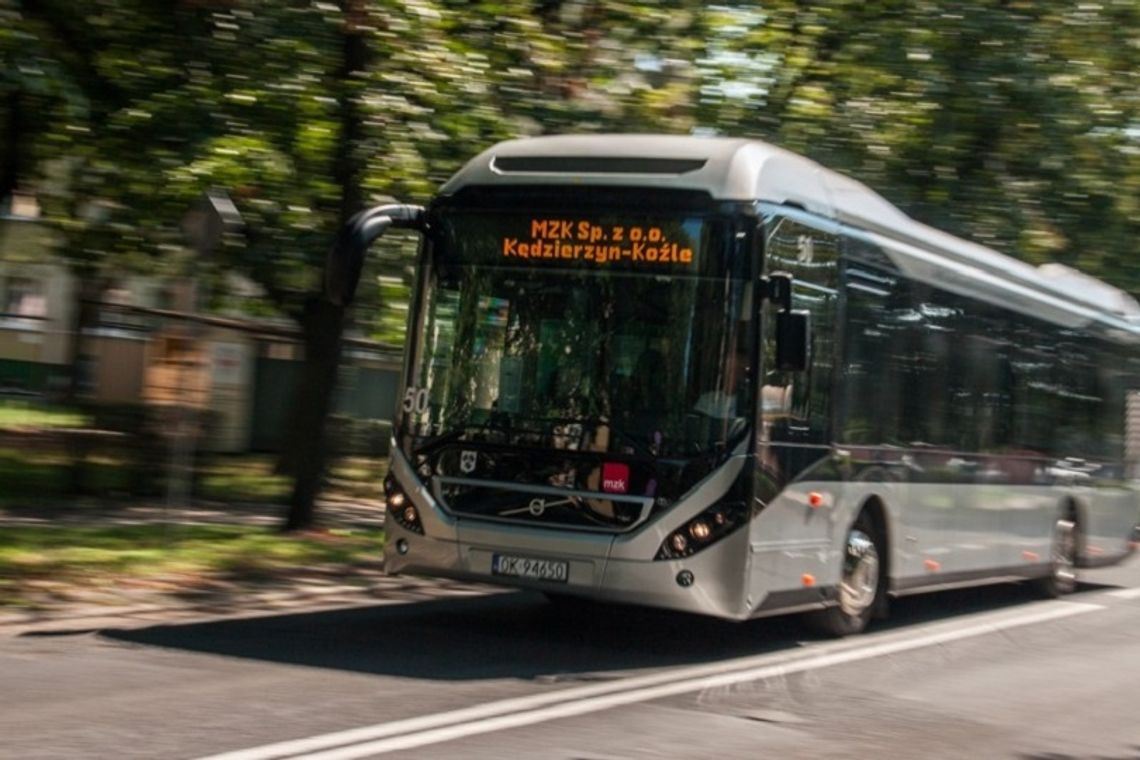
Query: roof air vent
595, 165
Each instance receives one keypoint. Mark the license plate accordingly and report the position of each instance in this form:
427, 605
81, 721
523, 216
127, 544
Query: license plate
526, 567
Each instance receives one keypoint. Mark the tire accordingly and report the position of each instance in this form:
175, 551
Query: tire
861, 585
1062, 578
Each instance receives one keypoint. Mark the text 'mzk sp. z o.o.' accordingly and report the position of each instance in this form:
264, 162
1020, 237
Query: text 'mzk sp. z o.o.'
583, 240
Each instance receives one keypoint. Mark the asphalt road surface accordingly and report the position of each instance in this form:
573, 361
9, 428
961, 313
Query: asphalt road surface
985, 673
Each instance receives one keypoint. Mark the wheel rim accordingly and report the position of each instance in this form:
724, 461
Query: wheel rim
1064, 558
860, 582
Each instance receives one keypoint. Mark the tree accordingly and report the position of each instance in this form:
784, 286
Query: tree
284, 84
150, 106
79, 103
1016, 124
1013, 124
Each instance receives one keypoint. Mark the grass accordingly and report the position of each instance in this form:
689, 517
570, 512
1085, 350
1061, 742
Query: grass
43, 562
251, 478
107, 556
30, 476
245, 478
27, 477
357, 477
18, 413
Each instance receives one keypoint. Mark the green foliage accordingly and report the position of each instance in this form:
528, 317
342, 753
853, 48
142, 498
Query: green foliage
1013, 124
1009, 122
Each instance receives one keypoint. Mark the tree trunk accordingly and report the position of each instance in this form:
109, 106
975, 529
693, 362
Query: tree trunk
17, 148
89, 290
322, 326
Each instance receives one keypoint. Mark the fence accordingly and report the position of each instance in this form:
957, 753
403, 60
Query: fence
182, 407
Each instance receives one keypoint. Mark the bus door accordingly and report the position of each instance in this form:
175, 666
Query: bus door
796, 406
794, 426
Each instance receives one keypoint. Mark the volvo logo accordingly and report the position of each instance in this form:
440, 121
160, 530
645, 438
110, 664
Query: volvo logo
537, 506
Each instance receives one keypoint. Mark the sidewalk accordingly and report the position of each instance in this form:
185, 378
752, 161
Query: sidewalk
138, 603
298, 595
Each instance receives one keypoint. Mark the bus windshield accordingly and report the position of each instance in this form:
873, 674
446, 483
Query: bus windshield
608, 332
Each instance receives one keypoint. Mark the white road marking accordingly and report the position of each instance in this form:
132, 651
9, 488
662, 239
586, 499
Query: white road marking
1125, 593
524, 711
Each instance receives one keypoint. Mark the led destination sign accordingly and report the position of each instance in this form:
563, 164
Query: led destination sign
586, 240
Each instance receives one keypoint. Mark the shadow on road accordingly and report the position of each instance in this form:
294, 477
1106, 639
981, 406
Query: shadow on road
1133, 755
520, 635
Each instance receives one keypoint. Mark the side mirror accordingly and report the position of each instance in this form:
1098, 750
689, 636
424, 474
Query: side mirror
346, 259
793, 340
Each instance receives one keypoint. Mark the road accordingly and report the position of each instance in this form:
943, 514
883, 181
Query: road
987, 672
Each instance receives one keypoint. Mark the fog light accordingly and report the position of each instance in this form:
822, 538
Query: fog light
685, 578
700, 530
679, 543
402, 546
396, 500
410, 514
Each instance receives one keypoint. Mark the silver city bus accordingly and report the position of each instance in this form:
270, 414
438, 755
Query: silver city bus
711, 375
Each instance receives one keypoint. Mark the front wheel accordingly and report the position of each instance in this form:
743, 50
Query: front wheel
1062, 577
860, 585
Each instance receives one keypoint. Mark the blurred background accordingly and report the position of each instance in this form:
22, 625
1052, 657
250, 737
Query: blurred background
172, 174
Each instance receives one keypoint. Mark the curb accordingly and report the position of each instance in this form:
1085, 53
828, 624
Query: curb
89, 618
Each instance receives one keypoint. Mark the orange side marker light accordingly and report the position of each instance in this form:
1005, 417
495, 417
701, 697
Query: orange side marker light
815, 500
808, 580
932, 566
1029, 556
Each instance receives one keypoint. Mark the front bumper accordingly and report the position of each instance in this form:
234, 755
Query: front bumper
710, 582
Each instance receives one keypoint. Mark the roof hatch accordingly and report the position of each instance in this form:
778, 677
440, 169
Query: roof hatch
595, 164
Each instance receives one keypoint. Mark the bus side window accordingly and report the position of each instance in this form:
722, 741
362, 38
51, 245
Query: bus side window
873, 364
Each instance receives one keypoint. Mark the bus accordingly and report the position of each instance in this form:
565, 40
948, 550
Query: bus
710, 375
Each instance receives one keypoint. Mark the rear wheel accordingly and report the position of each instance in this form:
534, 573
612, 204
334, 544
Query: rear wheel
860, 584
1062, 577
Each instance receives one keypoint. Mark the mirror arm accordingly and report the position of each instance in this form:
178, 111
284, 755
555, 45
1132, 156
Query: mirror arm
777, 288
346, 259
793, 328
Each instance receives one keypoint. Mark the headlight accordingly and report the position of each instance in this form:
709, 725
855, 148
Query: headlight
400, 507
705, 529
700, 530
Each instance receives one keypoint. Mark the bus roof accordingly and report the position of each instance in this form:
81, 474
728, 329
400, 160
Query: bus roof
736, 169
